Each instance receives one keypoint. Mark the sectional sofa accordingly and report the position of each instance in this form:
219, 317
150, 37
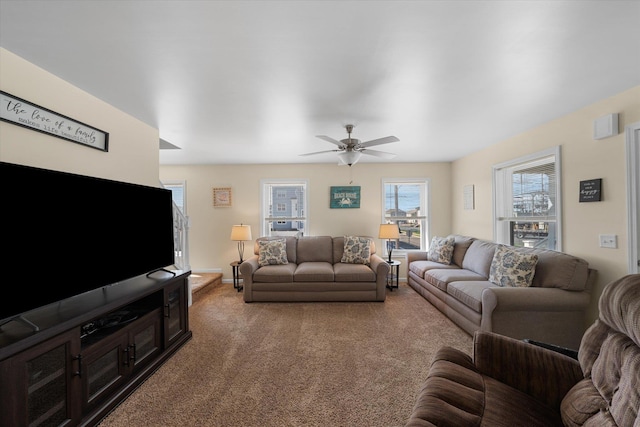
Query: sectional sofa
547, 303
314, 268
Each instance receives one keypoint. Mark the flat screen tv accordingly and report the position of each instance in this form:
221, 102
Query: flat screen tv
65, 234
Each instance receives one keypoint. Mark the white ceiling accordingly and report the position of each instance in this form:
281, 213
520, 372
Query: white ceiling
254, 81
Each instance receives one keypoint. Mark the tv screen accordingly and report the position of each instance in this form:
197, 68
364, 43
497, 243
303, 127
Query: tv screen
65, 234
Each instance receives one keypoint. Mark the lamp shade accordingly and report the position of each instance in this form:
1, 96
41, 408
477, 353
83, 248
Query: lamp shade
349, 157
241, 232
389, 231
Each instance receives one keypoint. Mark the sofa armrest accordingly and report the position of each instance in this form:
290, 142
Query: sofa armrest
381, 267
247, 268
539, 372
417, 256
544, 314
534, 299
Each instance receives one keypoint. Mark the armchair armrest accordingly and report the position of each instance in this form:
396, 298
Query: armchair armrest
541, 373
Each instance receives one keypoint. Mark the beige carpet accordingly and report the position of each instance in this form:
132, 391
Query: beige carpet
294, 364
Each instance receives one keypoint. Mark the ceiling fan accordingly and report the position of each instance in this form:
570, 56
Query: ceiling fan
350, 149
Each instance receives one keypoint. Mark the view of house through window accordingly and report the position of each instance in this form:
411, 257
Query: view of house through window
527, 201
405, 204
284, 207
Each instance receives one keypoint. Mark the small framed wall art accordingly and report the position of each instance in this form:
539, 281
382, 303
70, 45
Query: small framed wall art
344, 197
591, 190
222, 197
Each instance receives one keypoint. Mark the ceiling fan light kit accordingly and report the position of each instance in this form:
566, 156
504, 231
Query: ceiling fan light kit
350, 149
349, 157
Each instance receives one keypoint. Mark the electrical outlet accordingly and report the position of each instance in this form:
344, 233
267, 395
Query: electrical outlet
608, 241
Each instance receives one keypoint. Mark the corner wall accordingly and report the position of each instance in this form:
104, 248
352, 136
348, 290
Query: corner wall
582, 158
133, 154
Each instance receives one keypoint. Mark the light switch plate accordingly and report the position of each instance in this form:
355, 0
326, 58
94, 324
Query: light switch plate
608, 241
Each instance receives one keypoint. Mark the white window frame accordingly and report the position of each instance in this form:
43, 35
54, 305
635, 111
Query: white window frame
425, 207
266, 217
503, 193
182, 185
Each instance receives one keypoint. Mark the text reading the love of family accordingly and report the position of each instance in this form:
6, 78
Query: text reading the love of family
24, 113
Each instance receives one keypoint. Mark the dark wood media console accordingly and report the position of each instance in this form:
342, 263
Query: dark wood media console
91, 351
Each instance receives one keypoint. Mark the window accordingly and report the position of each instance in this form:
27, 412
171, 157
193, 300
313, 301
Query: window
178, 194
404, 202
284, 207
527, 201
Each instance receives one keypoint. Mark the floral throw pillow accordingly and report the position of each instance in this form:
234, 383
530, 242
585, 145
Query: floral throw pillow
357, 250
272, 252
512, 268
441, 250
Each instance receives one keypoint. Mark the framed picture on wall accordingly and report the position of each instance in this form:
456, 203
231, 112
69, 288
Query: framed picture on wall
344, 197
222, 197
32, 116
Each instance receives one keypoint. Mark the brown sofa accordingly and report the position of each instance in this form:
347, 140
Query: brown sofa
552, 309
314, 272
509, 382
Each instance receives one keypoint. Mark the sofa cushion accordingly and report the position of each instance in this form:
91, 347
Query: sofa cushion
357, 250
353, 273
441, 277
559, 270
315, 249
420, 267
314, 272
275, 273
441, 250
460, 246
479, 256
469, 292
272, 252
512, 268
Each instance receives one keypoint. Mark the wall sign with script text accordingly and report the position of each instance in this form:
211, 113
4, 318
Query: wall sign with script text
24, 113
344, 197
591, 190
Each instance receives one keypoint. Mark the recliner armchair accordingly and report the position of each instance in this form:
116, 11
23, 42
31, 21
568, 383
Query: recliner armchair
509, 382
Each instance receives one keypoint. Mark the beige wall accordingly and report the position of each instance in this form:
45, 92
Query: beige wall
582, 158
133, 154
133, 157
209, 244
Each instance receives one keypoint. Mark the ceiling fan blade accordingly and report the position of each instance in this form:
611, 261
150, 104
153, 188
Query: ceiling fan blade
381, 154
385, 140
331, 140
319, 152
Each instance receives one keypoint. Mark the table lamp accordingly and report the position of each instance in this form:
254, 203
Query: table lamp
389, 232
241, 233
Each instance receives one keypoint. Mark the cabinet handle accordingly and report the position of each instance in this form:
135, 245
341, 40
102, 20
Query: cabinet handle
125, 358
79, 359
168, 310
133, 353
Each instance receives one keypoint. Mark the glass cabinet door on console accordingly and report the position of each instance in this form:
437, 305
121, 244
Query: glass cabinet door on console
104, 369
108, 363
174, 312
50, 374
